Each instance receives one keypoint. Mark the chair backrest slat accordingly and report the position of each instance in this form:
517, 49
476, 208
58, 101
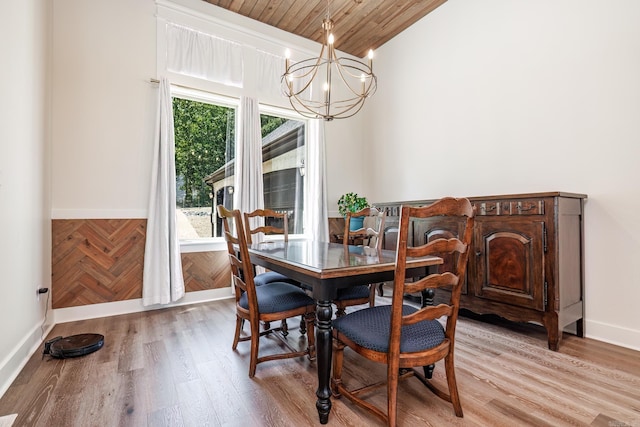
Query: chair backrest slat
428, 313
261, 216
431, 281
439, 246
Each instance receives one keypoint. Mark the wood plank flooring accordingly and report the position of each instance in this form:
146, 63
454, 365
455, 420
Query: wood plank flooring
175, 367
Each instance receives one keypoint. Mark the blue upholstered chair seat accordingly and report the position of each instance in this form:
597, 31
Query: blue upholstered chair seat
272, 276
354, 292
370, 328
278, 296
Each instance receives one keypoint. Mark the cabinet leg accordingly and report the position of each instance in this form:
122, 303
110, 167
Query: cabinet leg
580, 328
554, 333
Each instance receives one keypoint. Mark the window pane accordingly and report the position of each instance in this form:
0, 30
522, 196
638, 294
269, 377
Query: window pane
283, 160
204, 143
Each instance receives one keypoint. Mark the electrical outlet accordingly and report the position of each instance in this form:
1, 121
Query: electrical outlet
41, 291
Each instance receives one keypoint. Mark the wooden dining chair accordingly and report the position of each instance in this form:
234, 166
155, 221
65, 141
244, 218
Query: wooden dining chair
262, 304
369, 235
269, 222
405, 337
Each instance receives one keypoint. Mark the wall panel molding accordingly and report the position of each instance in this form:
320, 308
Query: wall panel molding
98, 213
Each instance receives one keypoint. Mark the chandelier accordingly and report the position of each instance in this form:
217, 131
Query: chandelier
328, 87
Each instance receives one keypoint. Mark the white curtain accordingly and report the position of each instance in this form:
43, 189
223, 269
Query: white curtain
201, 55
248, 194
162, 280
316, 212
269, 72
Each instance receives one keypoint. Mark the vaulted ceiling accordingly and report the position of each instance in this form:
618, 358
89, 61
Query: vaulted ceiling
360, 25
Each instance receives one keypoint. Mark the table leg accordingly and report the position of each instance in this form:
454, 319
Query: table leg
427, 299
323, 360
427, 296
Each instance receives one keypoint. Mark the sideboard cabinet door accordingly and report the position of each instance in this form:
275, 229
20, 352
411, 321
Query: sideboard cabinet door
508, 261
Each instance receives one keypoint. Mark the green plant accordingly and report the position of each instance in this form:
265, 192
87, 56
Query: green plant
351, 202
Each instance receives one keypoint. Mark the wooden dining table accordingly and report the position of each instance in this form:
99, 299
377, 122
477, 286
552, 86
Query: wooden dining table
325, 268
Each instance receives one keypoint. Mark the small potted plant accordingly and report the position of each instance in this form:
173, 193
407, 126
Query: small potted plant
351, 202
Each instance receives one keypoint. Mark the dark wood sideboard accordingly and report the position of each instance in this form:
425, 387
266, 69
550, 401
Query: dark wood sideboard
527, 259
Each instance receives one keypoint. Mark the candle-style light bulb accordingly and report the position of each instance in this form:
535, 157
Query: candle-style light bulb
331, 39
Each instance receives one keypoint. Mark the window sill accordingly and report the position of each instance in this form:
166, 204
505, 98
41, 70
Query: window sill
202, 245
218, 244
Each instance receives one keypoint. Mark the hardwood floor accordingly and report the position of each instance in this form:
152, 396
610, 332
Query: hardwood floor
175, 367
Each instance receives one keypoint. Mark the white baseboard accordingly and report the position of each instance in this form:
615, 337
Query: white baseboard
613, 334
83, 312
7, 420
11, 366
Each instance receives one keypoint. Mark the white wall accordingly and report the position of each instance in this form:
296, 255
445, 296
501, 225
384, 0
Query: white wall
25, 233
104, 55
501, 97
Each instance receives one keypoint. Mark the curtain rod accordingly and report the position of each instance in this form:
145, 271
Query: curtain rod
152, 80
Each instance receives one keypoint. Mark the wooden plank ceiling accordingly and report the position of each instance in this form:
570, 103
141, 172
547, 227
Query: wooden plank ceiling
360, 25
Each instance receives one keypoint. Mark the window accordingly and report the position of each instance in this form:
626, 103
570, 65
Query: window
283, 159
205, 129
204, 146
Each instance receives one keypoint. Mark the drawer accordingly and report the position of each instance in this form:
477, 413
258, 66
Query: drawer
527, 207
511, 207
493, 208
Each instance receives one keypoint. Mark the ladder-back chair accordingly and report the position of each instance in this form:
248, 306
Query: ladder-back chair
267, 222
267, 303
402, 336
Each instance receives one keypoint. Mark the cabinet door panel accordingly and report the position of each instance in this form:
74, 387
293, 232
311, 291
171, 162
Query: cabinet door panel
426, 230
390, 238
509, 262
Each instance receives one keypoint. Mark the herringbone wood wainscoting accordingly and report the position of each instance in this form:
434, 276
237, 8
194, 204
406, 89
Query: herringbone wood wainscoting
175, 367
206, 270
100, 260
